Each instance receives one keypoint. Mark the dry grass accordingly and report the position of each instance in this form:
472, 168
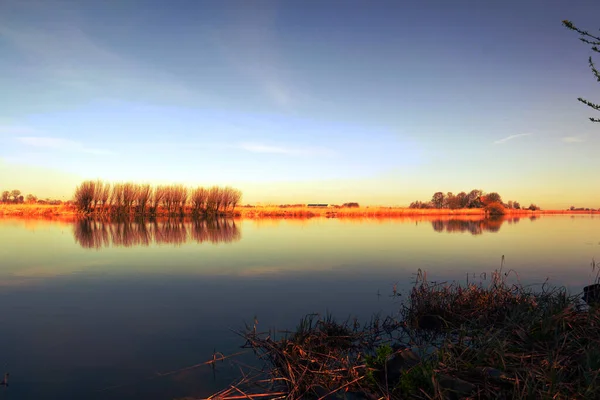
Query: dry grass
450, 341
320, 359
44, 210
36, 210
353, 212
566, 212
508, 341
376, 212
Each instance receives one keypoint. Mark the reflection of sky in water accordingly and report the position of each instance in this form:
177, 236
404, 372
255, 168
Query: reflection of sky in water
75, 319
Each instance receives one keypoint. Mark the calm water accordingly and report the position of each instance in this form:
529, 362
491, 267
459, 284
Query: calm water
89, 305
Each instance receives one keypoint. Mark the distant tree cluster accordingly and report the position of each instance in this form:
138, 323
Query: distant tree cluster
474, 199
15, 197
132, 198
573, 208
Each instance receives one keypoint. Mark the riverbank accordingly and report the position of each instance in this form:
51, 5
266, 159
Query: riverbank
378, 212
449, 341
256, 212
37, 210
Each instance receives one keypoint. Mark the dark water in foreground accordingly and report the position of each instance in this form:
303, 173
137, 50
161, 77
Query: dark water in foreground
88, 305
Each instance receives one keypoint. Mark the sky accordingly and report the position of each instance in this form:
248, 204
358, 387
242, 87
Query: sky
379, 102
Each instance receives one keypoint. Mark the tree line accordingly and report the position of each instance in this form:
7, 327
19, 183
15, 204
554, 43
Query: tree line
15, 197
474, 199
131, 198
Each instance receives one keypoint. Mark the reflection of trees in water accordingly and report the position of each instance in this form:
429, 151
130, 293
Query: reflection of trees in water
172, 231
215, 231
475, 227
91, 233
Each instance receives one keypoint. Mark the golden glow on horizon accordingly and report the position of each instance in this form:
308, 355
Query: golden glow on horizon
383, 190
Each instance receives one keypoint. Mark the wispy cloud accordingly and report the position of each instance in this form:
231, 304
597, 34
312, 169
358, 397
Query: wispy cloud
16, 130
511, 137
61, 145
297, 151
573, 139
261, 148
61, 52
250, 44
251, 52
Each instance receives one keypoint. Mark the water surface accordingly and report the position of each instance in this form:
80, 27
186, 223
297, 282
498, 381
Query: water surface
88, 305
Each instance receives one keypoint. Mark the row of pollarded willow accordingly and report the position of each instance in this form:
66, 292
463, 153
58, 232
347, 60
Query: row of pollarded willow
143, 199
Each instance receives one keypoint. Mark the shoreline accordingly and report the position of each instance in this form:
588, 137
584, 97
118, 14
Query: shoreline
258, 212
448, 340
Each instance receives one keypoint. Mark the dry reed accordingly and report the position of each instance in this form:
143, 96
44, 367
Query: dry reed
450, 341
379, 212
36, 210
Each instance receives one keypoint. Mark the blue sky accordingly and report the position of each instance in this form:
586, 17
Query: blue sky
301, 101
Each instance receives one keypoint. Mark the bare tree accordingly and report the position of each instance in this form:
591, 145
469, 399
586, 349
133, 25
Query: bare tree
226, 194
438, 200
451, 201
236, 197
462, 199
158, 195
15, 195
218, 199
105, 196
183, 198
594, 42
84, 195
212, 201
143, 197
167, 198
98, 188
198, 199
175, 196
123, 197
117, 197
129, 195
493, 198
179, 197
474, 199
